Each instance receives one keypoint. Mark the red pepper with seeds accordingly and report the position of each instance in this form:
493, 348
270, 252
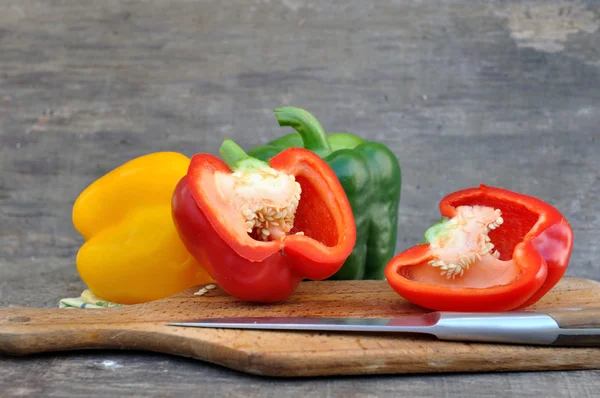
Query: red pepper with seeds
260, 228
494, 250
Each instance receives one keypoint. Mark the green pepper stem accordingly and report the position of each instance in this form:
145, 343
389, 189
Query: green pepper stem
307, 126
237, 159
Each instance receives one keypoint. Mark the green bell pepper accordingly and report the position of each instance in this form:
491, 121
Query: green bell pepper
370, 175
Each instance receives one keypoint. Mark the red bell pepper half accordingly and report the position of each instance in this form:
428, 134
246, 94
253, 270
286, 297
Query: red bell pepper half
494, 250
258, 228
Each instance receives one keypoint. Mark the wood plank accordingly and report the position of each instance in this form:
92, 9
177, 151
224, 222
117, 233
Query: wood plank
283, 353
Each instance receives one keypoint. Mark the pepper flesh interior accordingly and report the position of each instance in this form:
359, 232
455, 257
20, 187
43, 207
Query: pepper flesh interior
457, 244
267, 200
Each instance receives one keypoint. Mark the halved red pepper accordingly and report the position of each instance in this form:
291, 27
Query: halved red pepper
494, 250
258, 228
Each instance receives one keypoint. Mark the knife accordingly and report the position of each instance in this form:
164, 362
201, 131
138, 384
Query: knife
560, 327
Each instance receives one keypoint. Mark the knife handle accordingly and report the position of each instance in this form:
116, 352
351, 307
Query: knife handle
582, 318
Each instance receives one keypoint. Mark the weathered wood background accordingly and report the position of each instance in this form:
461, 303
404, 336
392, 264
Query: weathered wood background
505, 93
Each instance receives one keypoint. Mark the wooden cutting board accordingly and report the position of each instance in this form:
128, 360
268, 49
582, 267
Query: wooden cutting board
26, 330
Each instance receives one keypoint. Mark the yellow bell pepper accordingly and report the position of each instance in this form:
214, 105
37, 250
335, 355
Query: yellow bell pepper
132, 252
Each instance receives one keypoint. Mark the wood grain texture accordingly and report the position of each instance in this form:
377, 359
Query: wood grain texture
464, 92
585, 318
26, 330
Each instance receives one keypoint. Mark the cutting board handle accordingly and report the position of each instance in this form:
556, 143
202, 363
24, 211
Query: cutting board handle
26, 331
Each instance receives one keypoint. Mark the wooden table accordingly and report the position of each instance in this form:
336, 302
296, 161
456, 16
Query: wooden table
464, 92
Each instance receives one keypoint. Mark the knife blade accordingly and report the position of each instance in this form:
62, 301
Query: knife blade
562, 327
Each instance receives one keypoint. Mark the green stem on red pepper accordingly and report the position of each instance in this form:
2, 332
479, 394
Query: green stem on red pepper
236, 158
